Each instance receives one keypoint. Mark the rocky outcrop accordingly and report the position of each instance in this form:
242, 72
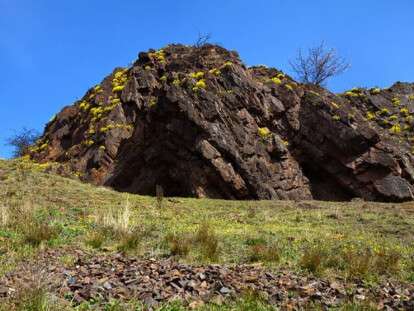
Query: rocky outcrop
200, 123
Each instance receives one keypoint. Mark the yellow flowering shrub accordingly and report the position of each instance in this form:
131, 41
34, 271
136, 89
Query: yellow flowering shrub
84, 106
215, 71
336, 117
404, 111
201, 84
98, 89
197, 75
289, 87
396, 101
384, 111
88, 142
176, 82
375, 91
263, 132
276, 80
335, 105
393, 117
118, 88
119, 80
158, 55
395, 129
370, 116
152, 102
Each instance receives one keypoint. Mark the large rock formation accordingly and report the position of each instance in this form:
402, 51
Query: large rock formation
198, 122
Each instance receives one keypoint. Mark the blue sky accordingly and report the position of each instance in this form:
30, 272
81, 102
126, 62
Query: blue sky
52, 51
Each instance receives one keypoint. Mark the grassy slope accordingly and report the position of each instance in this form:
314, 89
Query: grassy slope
323, 238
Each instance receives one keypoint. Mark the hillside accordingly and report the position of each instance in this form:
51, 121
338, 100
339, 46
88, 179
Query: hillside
199, 123
69, 245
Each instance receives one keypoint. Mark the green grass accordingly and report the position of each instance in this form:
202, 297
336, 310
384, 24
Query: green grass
322, 238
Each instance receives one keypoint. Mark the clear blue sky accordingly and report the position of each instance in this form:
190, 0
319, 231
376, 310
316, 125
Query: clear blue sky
51, 51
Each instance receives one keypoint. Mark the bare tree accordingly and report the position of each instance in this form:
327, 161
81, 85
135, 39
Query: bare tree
318, 65
202, 39
22, 140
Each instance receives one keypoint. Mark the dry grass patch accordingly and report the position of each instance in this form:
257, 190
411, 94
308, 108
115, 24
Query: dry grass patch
203, 241
179, 245
24, 220
116, 225
207, 240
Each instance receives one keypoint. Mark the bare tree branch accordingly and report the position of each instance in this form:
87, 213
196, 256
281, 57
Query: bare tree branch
22, 140
318, 65
202, 39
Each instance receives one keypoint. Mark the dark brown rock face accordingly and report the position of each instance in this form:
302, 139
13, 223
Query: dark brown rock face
199, 123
